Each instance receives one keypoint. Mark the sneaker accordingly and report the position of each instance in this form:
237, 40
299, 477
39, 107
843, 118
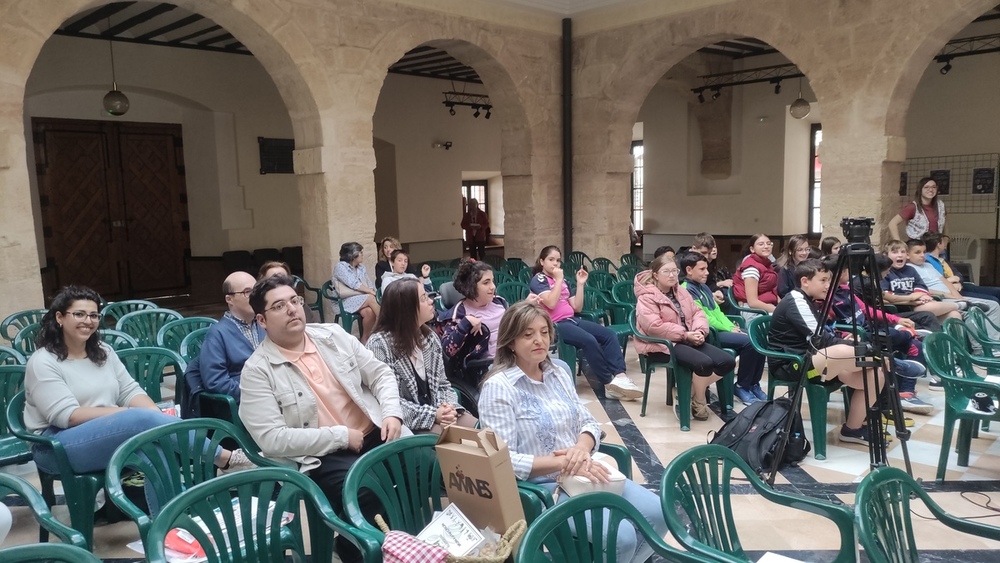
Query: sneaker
911, 403
610, 393
745, 397
238, 461
700, 411
858, 436
935, 383
909, 369
889, 420
758, 392
624, 386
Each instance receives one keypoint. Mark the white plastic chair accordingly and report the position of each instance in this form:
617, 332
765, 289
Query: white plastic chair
965, 247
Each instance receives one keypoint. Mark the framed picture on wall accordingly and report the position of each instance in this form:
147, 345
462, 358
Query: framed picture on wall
903, 180
983, 180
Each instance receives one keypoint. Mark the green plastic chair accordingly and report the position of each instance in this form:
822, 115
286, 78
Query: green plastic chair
13, 450
551, 537
567, 353
53, 552
977, 325
12, 484
496, 262
174, 457
624, 292
580, 259
171, 334
146, 324
315, 301
735, 305
346, 319
524, 276
602, 281
883, 515
148, 365
265, 536
16, 322
24, 342
630, 260
628, 272
947, 359
499, 277
191, 345
679, 376
604, 265
115, 311
513, 267
598, 308
79, 489
437, 264
818, 395
117, 339
696, 492
513, 292
11, 357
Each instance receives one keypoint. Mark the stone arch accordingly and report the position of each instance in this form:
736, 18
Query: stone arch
496, 68
264, 27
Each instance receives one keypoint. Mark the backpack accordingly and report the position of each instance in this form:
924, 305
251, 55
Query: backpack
756, 431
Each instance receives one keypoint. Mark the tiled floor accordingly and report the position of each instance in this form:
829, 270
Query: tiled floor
656, 439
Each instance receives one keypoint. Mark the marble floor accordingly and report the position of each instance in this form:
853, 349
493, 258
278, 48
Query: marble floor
656, 439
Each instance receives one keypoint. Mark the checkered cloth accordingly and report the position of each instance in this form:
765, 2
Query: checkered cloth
400, 547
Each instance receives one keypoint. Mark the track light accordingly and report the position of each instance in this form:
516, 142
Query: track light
488, 110
777, 87
477, 111
451, 107
946, 68
701, 97
716, 92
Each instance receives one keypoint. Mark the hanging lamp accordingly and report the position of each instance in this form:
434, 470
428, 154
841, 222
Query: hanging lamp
800, 107
115, 102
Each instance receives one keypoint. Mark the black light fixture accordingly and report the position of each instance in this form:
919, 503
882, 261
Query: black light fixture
115, 102
947, 67
451, 107
477, 102
701, 97
476, 114
489, 109
777, 87
716, 92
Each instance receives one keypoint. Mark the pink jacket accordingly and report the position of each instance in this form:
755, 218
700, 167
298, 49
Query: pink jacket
656, 316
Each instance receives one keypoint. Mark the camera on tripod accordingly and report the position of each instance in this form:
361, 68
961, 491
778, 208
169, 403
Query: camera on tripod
857, 229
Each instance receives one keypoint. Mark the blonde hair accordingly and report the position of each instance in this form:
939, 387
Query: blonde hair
516, 320
893, 245
396, 245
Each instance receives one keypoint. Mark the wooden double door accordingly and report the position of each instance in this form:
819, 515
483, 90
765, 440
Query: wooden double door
114, 206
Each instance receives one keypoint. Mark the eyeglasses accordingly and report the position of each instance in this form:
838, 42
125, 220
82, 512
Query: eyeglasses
81, 315
280, 306
669, 273
245, 293
768, 243
429, 297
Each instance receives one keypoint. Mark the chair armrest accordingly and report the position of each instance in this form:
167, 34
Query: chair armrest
40, 510
739, 321
367, 542
227, 401
621, 455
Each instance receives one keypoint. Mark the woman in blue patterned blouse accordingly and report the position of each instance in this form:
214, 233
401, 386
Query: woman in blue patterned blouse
533, 406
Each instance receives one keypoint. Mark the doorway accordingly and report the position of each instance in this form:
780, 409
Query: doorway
113, 205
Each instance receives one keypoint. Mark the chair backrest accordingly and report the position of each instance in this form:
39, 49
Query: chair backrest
963, 246
56, 552
13, 450
440, 275
174, 457
449, 295
696, 493
579, 258
601, 280
961, 332
148, 364
585, 528
624, 292
16, 322
405, 476
524, 276
117, 339
630, 260
24, 342
238, 261
493, 260
240, 497
604, 265
628, 273
115, 311
500, 276
261, 255
40, 510
171, 334
11, 357
513, 292
882, 513
948, 359
513, 266
146, 324
977, 324
191, 345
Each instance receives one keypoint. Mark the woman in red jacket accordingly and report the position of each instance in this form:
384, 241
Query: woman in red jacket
755, 282
666, 310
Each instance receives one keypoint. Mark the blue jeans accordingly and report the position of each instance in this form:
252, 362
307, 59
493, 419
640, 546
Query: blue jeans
598, 345
751, 362
631, 547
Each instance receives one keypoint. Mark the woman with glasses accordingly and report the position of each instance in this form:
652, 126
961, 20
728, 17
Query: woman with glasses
403, 340
796, 250
355, 288
597, 344
78, 391
666, 310
755, 282
923, 215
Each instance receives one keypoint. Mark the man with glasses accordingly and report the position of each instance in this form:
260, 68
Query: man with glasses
226, 348
315, 397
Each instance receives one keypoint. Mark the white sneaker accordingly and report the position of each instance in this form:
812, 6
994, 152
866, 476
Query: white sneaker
238, 461
623, 386
609, 393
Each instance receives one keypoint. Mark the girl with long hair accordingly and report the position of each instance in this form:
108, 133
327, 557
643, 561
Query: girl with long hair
796, 250
755, 282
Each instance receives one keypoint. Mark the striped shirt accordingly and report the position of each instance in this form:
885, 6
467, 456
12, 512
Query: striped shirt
535, 418
249, 330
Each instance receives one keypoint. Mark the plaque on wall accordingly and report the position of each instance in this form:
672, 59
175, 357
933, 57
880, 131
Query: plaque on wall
983, 180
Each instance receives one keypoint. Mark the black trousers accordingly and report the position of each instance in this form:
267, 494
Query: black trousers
330, 476
477, 249
703, 360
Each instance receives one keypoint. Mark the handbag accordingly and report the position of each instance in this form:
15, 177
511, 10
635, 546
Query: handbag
578, 484
343, 290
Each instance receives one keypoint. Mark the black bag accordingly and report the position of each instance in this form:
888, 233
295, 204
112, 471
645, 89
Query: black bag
758, 429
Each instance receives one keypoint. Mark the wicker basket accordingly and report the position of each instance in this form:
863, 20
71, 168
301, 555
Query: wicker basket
505, 546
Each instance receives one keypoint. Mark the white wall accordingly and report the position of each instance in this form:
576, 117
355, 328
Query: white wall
410, 115
223, 103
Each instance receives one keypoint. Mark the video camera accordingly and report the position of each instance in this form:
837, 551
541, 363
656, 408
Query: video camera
857, 229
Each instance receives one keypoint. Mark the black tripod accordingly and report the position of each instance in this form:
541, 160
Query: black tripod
874, 355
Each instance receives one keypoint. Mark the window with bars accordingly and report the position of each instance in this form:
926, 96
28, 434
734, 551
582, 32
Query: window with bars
815, 178
477, 190
637, 207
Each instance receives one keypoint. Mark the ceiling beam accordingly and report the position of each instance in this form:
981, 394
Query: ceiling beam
98, 15
183, 22
138, 19
196, 34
